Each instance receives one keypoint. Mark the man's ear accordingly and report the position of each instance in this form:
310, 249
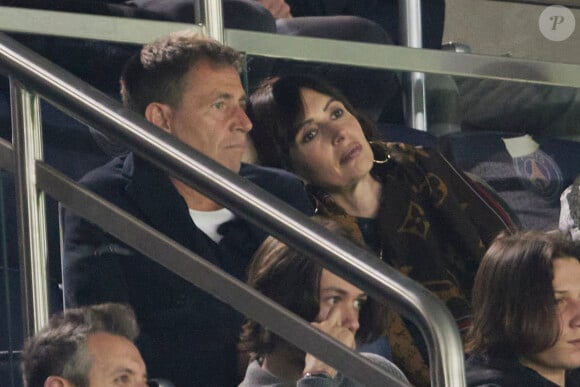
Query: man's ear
160, 115
57, 381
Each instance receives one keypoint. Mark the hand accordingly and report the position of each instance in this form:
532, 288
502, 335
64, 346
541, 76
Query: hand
333, 327
278, 8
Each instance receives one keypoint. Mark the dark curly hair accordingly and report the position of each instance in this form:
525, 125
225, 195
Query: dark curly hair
293, 280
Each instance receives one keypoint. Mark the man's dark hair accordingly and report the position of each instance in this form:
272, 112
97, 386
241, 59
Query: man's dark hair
157, 72
60, 348
276, 108
292, 279
514, 308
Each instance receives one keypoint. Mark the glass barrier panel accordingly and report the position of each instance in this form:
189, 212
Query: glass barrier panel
536, 29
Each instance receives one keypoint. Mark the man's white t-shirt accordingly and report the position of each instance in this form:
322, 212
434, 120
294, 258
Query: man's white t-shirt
209, 221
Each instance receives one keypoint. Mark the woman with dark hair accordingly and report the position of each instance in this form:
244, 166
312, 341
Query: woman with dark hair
317, 295
413, 208
526, 321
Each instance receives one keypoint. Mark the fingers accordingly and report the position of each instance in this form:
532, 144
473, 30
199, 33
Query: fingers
283, 11
314, 366
335, 316
278, 8
332, 326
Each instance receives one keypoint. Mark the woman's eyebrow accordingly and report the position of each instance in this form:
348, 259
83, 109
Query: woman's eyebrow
310, 120
331, 100
303, 124
340, 291
333, 289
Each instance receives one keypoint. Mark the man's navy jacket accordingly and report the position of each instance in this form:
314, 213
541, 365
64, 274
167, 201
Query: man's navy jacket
187, 336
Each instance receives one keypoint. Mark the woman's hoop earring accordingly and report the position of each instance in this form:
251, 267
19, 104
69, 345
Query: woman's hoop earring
378, 146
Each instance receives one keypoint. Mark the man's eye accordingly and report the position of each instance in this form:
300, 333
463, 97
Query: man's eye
337, 113
333, 300
219, 105
123, 379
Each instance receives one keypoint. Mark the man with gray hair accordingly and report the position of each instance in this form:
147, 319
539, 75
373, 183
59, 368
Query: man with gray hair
85, 347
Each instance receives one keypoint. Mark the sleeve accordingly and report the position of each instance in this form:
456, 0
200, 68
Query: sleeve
483, 208
341, 381
455, 194
387, 366
292, 190
318, 381
92, 268
283, 184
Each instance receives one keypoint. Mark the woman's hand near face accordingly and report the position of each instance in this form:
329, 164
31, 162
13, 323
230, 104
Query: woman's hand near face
333, 327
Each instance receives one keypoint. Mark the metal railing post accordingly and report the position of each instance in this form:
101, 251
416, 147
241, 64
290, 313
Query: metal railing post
413, 82
27, 139
212, 18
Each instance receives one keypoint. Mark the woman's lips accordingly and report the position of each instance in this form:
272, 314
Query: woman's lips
575, 343
353, 151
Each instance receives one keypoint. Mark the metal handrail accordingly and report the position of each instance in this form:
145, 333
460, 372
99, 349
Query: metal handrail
358, 266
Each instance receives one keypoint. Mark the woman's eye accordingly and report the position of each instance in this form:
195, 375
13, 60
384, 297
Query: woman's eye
337, 113
309, 135
333, 300
358, 304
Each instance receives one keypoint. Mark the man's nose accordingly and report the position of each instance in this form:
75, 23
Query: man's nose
243, 122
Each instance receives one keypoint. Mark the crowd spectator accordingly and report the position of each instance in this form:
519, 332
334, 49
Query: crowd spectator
526, 303
89, 346
332, 305
416, 211
190, 87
